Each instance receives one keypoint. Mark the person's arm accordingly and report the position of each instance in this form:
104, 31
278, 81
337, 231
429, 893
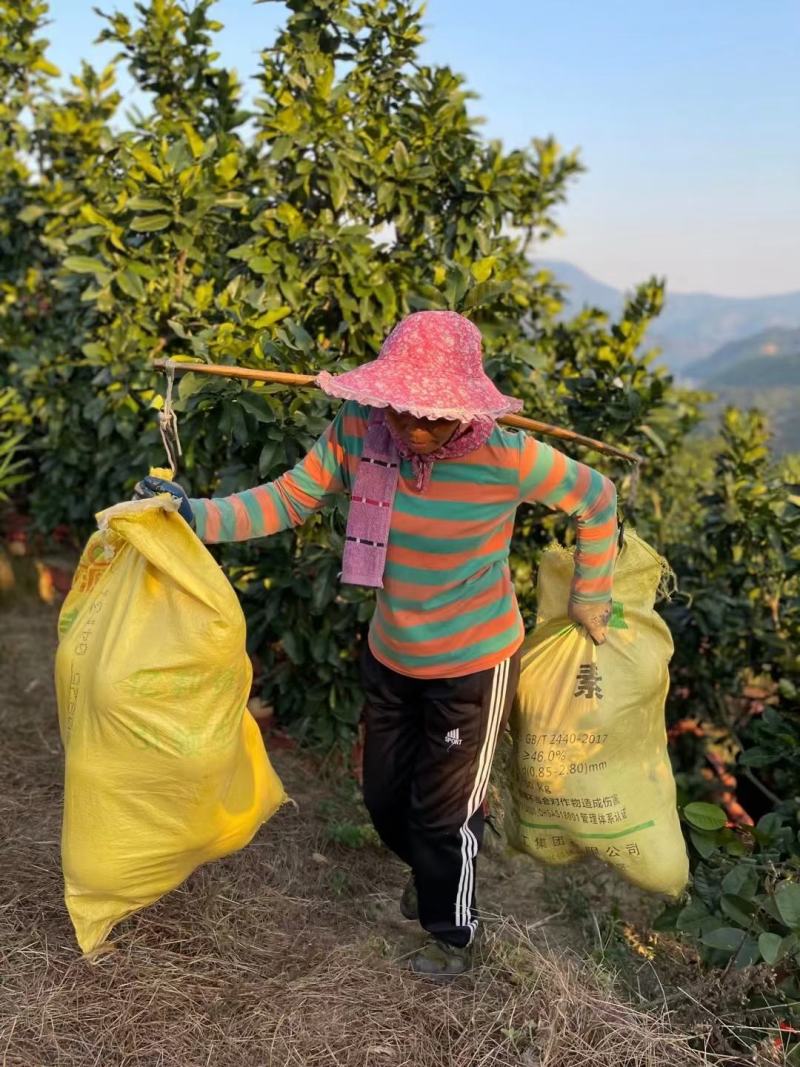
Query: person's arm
278, 505
549, 477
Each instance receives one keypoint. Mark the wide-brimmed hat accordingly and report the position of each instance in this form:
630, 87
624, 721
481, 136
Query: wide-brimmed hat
431, 366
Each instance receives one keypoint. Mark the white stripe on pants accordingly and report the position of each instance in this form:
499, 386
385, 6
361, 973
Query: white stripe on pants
469, 844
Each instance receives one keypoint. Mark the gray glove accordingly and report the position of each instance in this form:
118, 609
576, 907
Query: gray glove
152, 486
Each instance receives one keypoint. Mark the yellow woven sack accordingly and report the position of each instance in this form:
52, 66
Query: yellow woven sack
165, 767
591, 770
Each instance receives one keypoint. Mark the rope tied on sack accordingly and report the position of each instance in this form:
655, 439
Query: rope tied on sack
168, 422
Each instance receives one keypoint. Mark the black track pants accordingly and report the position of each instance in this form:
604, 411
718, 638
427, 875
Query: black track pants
428, 753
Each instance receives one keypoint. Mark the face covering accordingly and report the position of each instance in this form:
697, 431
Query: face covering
372, 500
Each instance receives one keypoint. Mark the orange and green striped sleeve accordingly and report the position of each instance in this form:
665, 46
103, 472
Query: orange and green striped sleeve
549, 477
290, 499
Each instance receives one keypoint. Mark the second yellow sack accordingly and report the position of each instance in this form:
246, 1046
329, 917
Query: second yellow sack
591, 768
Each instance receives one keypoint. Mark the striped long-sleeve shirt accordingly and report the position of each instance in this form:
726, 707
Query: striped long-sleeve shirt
447, 607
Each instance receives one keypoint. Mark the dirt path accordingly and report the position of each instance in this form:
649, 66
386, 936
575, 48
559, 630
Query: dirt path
289, 952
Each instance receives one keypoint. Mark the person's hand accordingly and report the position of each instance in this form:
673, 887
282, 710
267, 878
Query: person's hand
593, 618
152, 486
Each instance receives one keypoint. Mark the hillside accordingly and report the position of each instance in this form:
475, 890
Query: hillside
692, 326
765, 349
759, 372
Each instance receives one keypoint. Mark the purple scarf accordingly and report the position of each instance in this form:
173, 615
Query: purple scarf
372, 500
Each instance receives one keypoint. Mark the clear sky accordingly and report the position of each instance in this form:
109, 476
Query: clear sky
685, 111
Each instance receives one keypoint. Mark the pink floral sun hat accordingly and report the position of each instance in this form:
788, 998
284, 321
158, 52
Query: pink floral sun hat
431, 366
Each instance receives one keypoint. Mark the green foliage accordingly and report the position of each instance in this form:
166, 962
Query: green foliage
737, 631
740, 565
13, 464
353, 835
745, 902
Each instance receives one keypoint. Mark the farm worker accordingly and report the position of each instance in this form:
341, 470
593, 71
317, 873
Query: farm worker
434, 484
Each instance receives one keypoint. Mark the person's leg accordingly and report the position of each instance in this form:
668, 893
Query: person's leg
463, 718
393, 734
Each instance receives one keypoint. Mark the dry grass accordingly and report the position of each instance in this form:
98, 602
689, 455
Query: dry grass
286, 954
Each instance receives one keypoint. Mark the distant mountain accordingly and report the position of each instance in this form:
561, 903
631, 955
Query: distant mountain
762, 371
765, 350
582, 289
692, 326
759, 372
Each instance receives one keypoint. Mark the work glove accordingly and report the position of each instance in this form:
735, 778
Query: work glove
594, 618
152, 486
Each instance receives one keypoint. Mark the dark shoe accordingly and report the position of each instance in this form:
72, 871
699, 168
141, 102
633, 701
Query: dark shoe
440, 961
409, 905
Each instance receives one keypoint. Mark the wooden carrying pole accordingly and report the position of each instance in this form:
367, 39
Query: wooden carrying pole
285, 378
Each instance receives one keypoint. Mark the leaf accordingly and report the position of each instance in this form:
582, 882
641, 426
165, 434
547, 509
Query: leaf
734, 846
768, 825
300, 335
227, 167
85, 265
196, 143
748, 954
281, 147
482, 268
338, 189
203, 295
400, 155
653, 436
142, 157
269, 454
94, 350
322, 589
246, 251
292, 647
131, 284
255, 405
386, 294
261, 265
704, 885
705, 816
666, 921
93, 216
787, 901
190, 384
728, 938
143, 203
238, 423
270, 317
231, 199
706, 844
740, 881
691, 918
147, 223
738, 908
288, 213
177, 157
769, 945
30, 213
46, 67
178, 328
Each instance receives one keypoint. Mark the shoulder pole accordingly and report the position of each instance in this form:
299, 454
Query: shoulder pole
520, 422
